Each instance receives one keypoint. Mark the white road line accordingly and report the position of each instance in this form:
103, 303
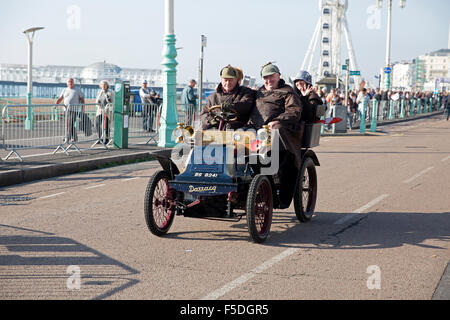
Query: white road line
130, 179
362, 209
92, 187
445, 159
52, 195
244, 278
418, 175
371, 204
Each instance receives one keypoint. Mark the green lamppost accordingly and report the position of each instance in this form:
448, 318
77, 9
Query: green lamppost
169, 64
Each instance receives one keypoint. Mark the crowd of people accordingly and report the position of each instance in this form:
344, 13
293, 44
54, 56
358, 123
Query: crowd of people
336, 97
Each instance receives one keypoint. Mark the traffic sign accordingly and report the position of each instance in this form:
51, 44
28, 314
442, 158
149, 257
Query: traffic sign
355, 73
387, 70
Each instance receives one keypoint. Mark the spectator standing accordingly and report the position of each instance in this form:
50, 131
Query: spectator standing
362, 102
73, 99
447, 104
377, 94
146, 98
351, 109
332, 100
189, 101
104, 104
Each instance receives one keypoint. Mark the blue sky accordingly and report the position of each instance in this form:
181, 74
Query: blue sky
245, 33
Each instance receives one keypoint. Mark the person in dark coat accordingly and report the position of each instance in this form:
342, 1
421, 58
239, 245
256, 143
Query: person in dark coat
189, 101
279, 107
229, 94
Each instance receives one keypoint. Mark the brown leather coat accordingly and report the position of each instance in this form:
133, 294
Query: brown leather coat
283, 105
243, 100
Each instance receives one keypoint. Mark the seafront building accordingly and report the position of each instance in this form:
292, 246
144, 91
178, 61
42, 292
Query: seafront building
48, 81
428, 72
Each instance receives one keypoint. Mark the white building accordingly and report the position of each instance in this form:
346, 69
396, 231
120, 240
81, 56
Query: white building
403, 76
431, 67
91, 74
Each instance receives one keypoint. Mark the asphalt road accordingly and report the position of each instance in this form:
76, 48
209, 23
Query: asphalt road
381, 231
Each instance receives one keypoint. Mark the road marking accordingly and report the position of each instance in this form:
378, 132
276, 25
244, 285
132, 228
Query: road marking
244, 278
92, 187
362, 209
418, 175
130, 179
445, 159
52, 195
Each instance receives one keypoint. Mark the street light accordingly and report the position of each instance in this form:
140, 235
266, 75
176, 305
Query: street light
402, 4
29, 33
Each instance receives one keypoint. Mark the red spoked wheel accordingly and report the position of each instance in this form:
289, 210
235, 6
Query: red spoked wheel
159, 206
259, 208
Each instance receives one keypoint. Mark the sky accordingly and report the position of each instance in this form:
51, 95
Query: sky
243, 33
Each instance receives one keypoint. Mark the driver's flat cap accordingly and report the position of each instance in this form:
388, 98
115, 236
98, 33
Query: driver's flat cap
228, 72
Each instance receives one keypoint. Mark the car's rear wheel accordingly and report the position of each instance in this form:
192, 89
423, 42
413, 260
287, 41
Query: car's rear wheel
259, 208
305, 193
158, 208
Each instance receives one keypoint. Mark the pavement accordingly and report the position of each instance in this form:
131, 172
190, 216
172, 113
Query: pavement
47, 165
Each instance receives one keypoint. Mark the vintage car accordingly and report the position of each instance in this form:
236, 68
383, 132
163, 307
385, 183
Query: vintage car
224, 174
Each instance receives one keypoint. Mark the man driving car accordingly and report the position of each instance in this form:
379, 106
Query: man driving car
230, 96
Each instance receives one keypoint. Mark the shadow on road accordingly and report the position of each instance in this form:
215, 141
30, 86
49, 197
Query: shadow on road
375, 230
33, 262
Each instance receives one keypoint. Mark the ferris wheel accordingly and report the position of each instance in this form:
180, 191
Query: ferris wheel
327, 37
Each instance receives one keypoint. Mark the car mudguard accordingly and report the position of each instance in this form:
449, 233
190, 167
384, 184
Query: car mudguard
311, 154
163, 157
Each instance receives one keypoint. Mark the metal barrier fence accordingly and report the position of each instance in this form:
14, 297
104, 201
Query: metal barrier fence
188, 114
50, 126
144, 121
375, 110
